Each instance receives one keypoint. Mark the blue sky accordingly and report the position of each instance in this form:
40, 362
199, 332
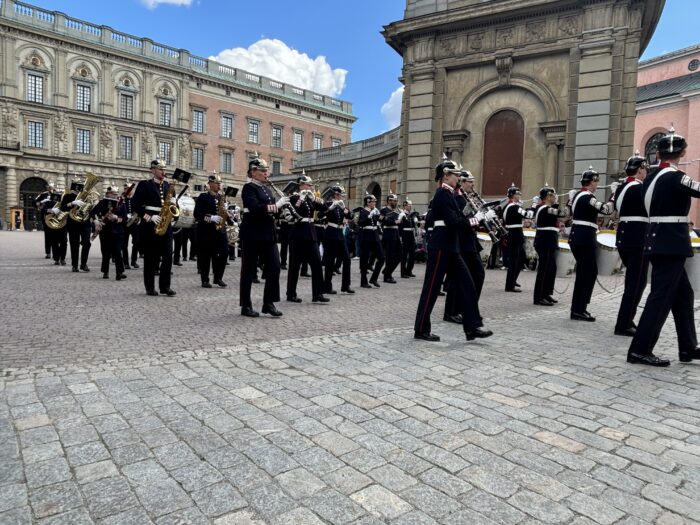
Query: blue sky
358, 65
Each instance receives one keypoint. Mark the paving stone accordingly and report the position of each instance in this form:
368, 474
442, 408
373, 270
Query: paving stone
108, 496
271, 459
196, 476
131, 454
94, 471
334, 506
174, 455
435, 504
12, 496
72, 517
299, 483
241, 517
47, 472
268, 500
381, 502
162, 497
540, 508
134, 516
87, 453
54, 499
417, 517
78, 435
347, 480
445, 482
217, 499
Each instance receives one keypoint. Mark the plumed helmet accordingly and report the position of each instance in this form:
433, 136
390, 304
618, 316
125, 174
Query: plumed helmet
547, 190
465, 175
446, 166
368, 199
304, 179
76, 186
338, 189
635, 162
513, 190
214, 177
407, 203
671, 143
256, 163
158, 163
392, 197
589, 176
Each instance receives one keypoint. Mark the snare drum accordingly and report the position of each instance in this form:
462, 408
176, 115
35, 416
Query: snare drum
607, 257
530, 252
692, 267
186, 205
486, 243
566, 264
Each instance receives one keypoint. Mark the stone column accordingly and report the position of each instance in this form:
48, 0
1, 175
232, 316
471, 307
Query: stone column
60, 75
11, 191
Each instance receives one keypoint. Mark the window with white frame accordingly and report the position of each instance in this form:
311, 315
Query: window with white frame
227, 126
317, 141
226, 162
126, 106
35, 134
82, 140
83, 94
165, 150
254, 131
35, 88
198, 121
276, 167
165, 113
298, 143
276, 137
335, 142
126, 147
198, 158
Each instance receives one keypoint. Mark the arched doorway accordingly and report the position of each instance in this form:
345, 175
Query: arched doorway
376, 190
650, 149
29, 190
503, 152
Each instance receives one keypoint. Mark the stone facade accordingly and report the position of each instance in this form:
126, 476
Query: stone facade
567, 70
77, 97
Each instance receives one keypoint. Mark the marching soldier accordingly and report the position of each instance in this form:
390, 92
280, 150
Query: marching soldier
334, 246
78, 231
631, 230
513, 216
546, 244
390, 218
469, 245
59, 238
131, 229
109, 217
148, 201
582, 239
443, 257
43, 204
211, 233
304, 242
407, 232
667, 198
370, 247
259, 239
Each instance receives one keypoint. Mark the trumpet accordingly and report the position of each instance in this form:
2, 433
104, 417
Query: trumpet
287, 212
495, 227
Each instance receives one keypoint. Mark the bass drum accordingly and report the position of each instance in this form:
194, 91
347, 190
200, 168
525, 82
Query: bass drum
486, 243
692, 267
566, 264
607, 257
530, 252
186, 219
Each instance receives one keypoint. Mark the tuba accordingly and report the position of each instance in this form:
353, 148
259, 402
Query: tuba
168, 212
58, 221
89, 196
495, 227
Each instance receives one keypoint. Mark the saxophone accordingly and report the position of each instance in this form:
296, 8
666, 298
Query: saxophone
168, 212
89, 196
58, 221
221, 211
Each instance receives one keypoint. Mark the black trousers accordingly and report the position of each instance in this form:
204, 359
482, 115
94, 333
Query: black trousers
265, 251
334, 249
111, 246
59, 243
546, 273
586, 273
461, 295
304, 251
476, 270
670, 292
515, 261
284, 242
212, 252
392, 255
157, 256
79, 235
636, 269
370, 250
47, 238
408, 254
133, 232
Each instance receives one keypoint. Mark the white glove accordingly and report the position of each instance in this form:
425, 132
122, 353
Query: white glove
536, 201
490, 215
156, 219
480, 215
45, 201
282, 201
614, 186
77, 202
333, 204
572, 194
55, 211
374, 212
112, 217
216, 219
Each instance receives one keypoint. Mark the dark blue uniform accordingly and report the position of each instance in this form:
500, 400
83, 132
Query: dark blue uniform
78, 235
546, 244
133, 232
334, 247
111, 234
391, 242
370, 247
304, 245
469, 246
43, 207
407, 232
513, 217
667, 198
58, 238
213, 243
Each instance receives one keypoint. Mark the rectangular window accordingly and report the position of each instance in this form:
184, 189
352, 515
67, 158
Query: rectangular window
298, 141
126, 106
253, 131
276, 137
35, 134
227, 126
198, 121
82, 97
198, 158
126, 147
335, 142
82, 141
226, 162
317, 142
276, 167
35, 88
165, 113
165, 152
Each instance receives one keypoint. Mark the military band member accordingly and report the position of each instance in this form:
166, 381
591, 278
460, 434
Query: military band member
59, 237
370, 247
78, 231
513, 215
285, 231
582, 240
259, 239
667, 198
213, 243
469, 246
407, 232
547, 215
304, 242
131, 229
334, 246
148, 201
631, 230
390, 217
443, 257
109, 217
43, 204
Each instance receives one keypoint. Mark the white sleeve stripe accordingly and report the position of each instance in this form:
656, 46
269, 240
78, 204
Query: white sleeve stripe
690, 183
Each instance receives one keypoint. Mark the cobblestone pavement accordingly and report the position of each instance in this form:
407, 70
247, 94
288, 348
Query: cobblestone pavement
118, 408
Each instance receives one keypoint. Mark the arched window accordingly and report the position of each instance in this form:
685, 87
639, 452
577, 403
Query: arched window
650, 149
376, 190
29, 190
503, 152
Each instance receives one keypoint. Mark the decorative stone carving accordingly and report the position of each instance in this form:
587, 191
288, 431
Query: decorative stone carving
568, 25
504, 37
448, 47
60, 128
147, 139
10, 119
184, 149
476, 41
504, 66
106, 131
535, 31
35, 61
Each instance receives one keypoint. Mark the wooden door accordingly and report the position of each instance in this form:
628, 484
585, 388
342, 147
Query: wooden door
503, 152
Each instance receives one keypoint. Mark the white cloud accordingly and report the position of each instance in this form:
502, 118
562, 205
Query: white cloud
391, 109
274, 59
152, 4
